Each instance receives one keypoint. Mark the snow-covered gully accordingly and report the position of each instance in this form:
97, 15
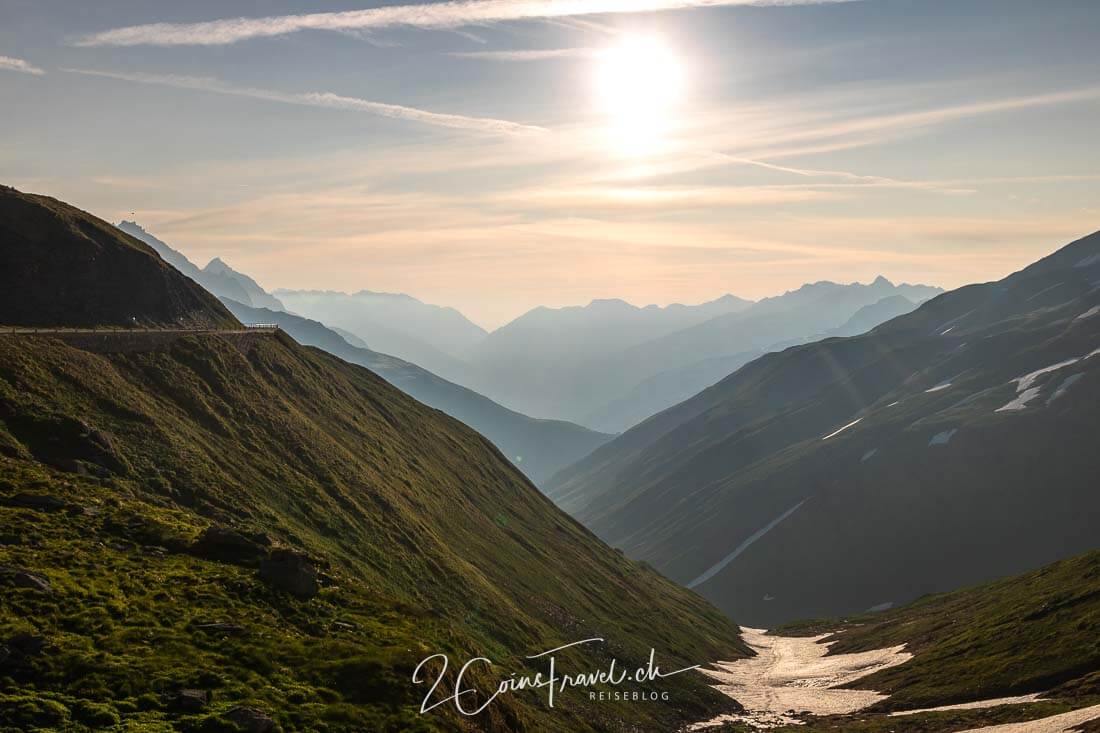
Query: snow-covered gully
791, 677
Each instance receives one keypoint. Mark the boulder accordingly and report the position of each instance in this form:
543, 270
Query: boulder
250, 720
290, 571
37, 502
23, 579
227, 545
187, 700
26, 644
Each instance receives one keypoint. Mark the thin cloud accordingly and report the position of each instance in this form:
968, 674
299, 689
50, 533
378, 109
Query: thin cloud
541, 54
7, 63
443, 15
327, 100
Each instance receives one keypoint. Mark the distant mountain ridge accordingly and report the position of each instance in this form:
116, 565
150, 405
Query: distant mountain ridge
608, 364
941, 444
559, 362
437, 338
217, 277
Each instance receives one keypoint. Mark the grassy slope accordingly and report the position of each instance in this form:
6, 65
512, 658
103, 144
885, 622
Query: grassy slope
432, 540
1036, 632
1028, 633
538, 447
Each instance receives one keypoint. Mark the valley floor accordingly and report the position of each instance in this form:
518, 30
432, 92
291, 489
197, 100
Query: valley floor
792, 674
794, 684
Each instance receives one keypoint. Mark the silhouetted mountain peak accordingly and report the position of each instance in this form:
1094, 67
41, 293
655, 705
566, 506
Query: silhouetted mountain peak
218, 266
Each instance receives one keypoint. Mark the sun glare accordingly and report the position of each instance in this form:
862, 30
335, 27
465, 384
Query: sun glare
639, 83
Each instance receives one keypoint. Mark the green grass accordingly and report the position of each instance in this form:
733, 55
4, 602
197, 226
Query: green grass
429, 541
1029, 633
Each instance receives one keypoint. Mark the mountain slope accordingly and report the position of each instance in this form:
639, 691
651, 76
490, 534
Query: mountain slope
123, 606
1027, 633
671, 387
810, 312
109, 279
941, 444
217, 277
538, 447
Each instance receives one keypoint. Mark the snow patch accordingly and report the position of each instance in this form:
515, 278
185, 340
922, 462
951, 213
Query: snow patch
938, 387
1025, 392
946, 331
841, 430
976, 705
868, 455
943, 327
1026, 381
880, 607
1062, 723
1064, 386
1089, 313
943, 438
793, 673
1091, 259
1021, 400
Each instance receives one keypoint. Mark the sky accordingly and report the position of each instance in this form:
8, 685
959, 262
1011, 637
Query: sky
497, 155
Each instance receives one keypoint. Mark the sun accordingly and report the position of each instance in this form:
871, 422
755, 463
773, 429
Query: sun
639, 83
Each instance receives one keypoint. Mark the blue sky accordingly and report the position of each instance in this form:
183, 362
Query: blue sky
495, 155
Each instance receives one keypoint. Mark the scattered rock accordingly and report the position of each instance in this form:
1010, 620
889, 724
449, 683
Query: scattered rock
291, 572
37, 502
227, 545
250, 720
23, 579
190, 701
344, 626
223, 628
26, 644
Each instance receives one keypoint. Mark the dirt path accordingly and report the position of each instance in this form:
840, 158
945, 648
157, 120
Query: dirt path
792, 675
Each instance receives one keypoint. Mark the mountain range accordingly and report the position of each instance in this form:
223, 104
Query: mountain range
217, 277
609, 364
230, 531
434, 337
946, 446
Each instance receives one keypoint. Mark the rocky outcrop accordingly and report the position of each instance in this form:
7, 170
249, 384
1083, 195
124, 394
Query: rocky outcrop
250, 720
229, 545
290, 571
23, 579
